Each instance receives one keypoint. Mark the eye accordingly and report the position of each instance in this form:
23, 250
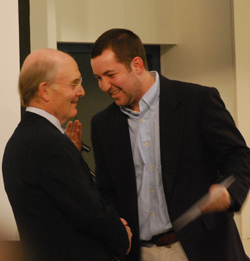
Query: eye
111, 75
98, 78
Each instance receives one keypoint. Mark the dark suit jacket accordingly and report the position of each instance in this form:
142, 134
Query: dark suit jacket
200, 145
58, 210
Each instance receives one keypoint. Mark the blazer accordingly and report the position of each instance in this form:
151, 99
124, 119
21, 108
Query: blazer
59, 212
200, 145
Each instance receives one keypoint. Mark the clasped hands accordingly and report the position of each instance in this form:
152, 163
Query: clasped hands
75, 134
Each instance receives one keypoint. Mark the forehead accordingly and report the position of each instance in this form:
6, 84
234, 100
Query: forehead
68, 67
106, 61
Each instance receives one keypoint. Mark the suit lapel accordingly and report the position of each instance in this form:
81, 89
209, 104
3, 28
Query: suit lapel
171, 129
122, 152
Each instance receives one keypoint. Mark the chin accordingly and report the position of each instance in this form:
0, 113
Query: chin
119, 103
73, 114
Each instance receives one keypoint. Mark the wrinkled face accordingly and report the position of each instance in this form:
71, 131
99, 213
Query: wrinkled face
116, 80
64, 91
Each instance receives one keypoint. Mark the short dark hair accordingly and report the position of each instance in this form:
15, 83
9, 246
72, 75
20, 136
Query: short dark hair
125, 44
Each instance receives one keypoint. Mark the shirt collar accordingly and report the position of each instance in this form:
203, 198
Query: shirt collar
152, 95
46, 115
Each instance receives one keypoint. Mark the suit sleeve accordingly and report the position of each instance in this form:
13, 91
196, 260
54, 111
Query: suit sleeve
105, 180
231, 153
68, 183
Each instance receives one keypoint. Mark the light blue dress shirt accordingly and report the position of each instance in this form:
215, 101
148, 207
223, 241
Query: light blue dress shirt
145, 142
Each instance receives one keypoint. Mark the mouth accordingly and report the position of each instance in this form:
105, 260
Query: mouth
115, 92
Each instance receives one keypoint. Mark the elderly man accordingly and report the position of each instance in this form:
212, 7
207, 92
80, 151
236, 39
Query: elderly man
59, 212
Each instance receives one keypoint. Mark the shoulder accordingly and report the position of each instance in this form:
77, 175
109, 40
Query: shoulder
185, 90
108, 114
36, 133
183, 86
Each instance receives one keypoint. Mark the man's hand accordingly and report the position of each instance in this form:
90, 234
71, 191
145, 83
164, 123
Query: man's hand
75, 134
125, 223
219, 199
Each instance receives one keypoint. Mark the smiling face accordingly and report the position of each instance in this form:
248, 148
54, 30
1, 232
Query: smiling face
114, 78
63, 97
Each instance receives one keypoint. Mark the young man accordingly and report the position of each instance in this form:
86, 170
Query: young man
158, 149
59, 212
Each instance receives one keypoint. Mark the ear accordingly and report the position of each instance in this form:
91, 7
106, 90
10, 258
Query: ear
137, 65
43, 91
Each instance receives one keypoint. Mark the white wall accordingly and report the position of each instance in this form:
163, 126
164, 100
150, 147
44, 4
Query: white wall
85, 20
10, 104
43, 24
204, 51
241, 15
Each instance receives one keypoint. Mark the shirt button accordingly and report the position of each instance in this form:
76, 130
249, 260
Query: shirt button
152, 191
151, 167
146, 144
142, 120
152, 107
153, 215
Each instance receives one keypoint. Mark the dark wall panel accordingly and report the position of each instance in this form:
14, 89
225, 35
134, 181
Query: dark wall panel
24, 32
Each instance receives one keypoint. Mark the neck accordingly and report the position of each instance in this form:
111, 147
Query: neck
146, 81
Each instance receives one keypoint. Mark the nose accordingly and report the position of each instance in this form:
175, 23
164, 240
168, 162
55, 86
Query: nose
80, 91
104, 85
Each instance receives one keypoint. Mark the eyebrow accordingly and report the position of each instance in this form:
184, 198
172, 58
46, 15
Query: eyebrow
105, 73
76, 80
109, 71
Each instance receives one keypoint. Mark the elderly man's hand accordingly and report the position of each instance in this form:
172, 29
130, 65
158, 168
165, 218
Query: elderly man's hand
75, 134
